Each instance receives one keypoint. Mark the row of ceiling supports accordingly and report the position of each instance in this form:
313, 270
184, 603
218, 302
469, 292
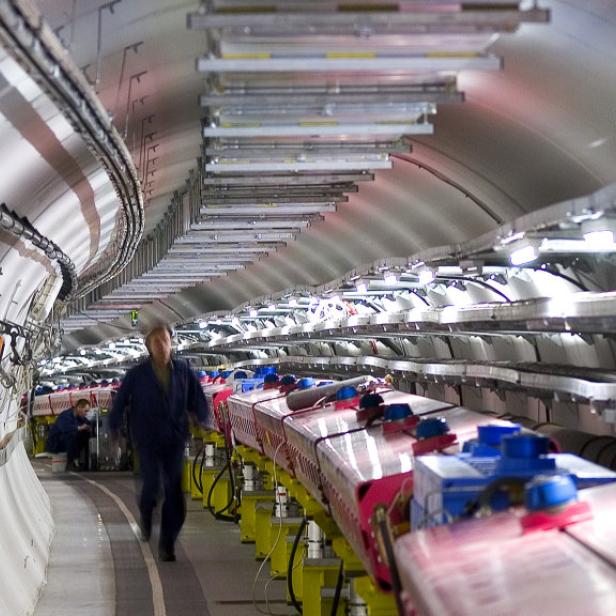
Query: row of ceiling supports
303, 102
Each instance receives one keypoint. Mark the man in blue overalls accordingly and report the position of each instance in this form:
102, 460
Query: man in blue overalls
70, 433
160, 393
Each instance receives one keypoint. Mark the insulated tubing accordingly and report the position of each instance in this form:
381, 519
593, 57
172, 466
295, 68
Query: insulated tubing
304, 399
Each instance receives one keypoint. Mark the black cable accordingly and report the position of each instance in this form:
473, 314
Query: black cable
509, 484
31, 418
298, 536
338, 589
229, 455
218, 514
196, 481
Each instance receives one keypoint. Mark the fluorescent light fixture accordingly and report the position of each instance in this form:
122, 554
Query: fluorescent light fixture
361, 287
253, 312
523, 253
425, 276
202, 324
390, 279
599, 238
82, 352
599, 232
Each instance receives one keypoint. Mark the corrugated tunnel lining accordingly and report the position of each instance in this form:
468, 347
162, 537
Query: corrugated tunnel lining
182, 591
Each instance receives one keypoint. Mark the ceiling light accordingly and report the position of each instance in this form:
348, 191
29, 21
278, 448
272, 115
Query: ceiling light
599, 232
425, 276
202, 324
523, 252
111, 346
253, 312
272, 307
292, 302
361, 287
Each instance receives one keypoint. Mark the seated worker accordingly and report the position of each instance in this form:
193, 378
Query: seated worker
70, 433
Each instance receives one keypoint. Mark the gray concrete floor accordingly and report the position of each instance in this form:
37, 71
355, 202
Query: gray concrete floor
80, 544
211, 549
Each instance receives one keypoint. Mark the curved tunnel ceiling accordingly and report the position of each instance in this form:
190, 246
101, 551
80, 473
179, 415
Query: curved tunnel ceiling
538, 132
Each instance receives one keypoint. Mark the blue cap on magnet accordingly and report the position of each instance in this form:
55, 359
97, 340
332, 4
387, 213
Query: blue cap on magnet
548, 491
397, 412
431, 427
346, 393
305, 383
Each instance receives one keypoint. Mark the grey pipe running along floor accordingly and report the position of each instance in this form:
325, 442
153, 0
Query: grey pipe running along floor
98, 567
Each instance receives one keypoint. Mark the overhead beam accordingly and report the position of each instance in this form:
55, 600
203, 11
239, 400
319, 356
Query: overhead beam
267, 211
223, 250
296, 179
254, 100
320, 129
376, 22
225, 237
250, 225
274, 149
274, 198
316, 165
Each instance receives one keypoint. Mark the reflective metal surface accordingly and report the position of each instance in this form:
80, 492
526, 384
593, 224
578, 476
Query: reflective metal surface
489, 566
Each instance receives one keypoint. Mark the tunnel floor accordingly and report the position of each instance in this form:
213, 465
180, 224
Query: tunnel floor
100, 568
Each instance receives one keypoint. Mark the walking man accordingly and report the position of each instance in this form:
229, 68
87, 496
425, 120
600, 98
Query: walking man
160, 393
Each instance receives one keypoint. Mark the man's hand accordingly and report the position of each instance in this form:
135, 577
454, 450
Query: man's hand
83, 427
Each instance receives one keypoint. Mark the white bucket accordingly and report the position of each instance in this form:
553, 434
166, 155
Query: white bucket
58, 462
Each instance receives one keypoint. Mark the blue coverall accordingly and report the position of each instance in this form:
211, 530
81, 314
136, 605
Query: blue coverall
64, 435
158, 424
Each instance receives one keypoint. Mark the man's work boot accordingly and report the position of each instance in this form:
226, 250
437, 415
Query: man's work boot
166, 555
72, 466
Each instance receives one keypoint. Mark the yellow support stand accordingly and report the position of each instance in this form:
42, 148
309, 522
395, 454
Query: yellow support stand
319, 573
248, 511
263, 515
41, 427
379, 603
221, 494
342, 548
313, 509
297, 571
281, 530
194, 490
187, 477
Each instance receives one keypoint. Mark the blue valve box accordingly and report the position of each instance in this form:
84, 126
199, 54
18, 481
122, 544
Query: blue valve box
245, 385
449, 487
